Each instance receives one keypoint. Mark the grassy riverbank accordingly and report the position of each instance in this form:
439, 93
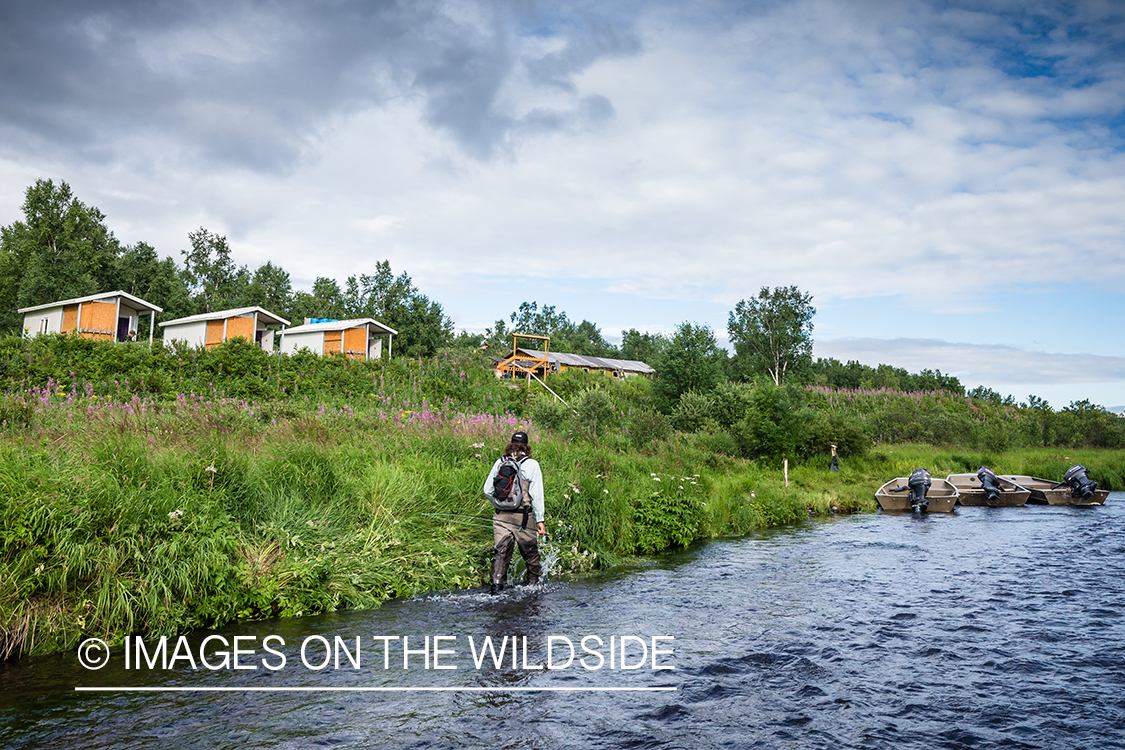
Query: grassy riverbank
157, 491
124, 522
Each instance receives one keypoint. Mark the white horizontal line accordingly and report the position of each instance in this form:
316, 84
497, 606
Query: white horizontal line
373, 689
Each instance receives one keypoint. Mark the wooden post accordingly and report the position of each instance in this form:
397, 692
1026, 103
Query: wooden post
786, 472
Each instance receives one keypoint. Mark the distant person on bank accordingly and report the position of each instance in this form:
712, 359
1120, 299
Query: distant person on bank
515, 487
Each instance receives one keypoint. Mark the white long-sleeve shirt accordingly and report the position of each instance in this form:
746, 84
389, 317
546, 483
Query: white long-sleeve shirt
529, 470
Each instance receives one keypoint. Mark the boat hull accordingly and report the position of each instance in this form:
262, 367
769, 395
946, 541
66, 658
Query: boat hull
941, 497
1045, 492
1012, 495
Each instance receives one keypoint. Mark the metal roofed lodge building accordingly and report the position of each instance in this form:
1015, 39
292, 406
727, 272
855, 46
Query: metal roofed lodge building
536, 363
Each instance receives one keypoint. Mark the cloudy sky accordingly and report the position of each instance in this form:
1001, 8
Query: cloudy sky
946, 178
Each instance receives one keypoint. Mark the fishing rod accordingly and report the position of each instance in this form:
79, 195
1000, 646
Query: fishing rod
458, 515
456, 518
452, 517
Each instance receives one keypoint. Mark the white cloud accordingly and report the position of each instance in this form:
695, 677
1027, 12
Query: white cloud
689, 155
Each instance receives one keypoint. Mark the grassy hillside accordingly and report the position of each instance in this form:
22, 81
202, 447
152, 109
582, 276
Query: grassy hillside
156, 491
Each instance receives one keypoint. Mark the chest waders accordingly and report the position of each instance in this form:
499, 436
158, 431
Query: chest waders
509, 530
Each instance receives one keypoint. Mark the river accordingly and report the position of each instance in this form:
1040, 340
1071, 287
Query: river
987, 628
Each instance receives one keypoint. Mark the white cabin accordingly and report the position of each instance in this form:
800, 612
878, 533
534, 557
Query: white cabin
211, 329
112, 316
361, 338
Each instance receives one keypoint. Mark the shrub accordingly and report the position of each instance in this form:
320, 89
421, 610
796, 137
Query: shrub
595, 410
832, 428
731, 402
647, 425
694, 412
670, 516
551, 413
775, 424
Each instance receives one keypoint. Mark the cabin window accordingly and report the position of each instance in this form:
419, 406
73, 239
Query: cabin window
43, 325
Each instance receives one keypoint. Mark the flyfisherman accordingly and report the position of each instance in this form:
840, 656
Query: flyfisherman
515, 487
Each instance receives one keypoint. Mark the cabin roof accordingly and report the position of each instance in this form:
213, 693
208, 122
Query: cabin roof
137, 302
580, 360
264, 315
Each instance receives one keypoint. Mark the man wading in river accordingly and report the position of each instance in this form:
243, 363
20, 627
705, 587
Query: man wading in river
515, 487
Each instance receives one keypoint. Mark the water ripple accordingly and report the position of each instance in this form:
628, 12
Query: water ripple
982, 630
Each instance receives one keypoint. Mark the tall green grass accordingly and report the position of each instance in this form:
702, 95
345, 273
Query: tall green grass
107, 528
155, 523
157, 499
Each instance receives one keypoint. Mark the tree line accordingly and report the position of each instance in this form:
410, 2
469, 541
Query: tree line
63, 249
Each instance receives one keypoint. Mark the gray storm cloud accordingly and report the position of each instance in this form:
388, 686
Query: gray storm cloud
251, 85
644, 162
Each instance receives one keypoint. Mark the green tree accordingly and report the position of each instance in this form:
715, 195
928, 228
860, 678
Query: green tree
545, 321
423, 328
140, 272
498, 339
422, 325
772, 333
1085, 424
692, 362
214, 279
776, 423
588, 341
643, 347
326, 301
566, 336
271, 289
381, 296
61, 250
984, 393
833, 373
1045, 414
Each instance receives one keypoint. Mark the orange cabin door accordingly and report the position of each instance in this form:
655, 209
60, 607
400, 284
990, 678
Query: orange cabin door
355, 343
69, 318
99, 320
214, 333
243, 327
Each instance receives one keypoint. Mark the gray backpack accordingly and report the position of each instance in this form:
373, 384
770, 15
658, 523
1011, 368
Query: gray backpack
509, 488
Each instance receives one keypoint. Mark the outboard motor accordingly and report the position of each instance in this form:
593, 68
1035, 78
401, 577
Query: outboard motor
919, 484
1079, 482
990, 483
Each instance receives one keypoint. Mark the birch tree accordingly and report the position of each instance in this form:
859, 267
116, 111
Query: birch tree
772, 333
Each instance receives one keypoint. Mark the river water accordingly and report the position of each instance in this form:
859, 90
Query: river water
988, 628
